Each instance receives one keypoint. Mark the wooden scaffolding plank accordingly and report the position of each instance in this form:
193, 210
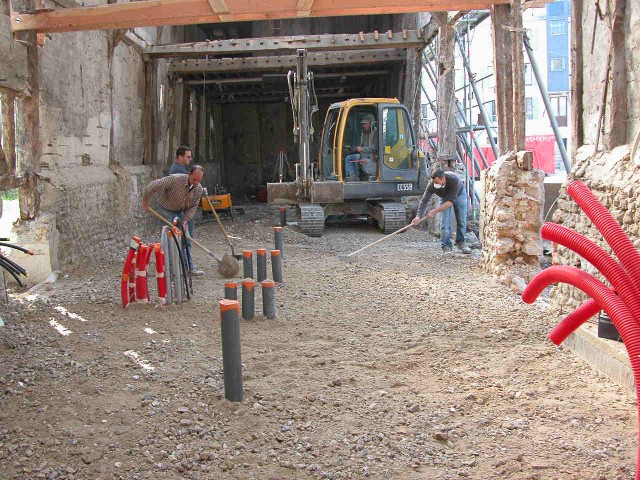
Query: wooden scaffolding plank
183, 12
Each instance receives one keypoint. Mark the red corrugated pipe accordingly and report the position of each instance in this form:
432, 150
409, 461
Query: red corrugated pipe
126, 271
162, 281
610, 229
621, 302
600, 259
142, 293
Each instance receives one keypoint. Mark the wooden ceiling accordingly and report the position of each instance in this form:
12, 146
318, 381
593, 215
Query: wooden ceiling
186, 12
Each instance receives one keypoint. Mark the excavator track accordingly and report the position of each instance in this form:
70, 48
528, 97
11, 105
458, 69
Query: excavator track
394, 216
311, 219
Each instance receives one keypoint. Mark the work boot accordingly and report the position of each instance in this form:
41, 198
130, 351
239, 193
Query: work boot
351, 178
196, 272
446, 249
463, 248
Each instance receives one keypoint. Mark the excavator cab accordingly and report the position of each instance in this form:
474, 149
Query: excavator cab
395, 157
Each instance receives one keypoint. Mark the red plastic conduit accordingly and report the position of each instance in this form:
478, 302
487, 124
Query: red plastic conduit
607, 300
161, 279
610, 229
572, 321
124, 281
600, 259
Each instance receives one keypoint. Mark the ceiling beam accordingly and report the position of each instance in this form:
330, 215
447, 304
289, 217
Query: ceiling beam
186, 12
220, 8
285, 62
283, 76
355, 41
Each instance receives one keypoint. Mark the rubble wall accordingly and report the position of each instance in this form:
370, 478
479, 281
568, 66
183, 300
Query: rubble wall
511, 218
615, 180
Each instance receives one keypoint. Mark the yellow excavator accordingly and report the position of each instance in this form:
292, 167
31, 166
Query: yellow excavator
392, 168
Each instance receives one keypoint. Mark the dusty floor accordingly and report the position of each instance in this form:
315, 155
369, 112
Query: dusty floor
403, 364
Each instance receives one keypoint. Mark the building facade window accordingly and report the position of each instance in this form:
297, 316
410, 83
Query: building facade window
529, 108
558, 64
557, 27
559, 106
528, 74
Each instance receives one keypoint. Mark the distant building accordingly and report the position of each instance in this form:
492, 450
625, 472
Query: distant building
548, 32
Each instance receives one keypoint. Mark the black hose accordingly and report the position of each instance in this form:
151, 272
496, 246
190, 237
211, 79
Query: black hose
11, 271
186, 249
11, 245
184, 273
14, 265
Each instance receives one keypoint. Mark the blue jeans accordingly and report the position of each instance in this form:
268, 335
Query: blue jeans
460, 208
351, 168
170, 215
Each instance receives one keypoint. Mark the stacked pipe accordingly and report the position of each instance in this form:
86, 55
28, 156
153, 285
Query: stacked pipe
621, 302
9, 265
134, 286
175, 265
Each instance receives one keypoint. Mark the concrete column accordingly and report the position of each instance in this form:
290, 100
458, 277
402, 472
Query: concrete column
231, 357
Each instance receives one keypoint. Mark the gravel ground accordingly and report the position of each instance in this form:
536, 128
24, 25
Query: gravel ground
401, 363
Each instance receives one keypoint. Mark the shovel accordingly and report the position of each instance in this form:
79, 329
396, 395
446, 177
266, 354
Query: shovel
406, 227
228, 266
215, 214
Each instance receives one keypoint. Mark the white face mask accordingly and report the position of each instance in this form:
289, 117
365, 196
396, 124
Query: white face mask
437, 185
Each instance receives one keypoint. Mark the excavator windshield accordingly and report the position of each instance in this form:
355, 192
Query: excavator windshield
397, 137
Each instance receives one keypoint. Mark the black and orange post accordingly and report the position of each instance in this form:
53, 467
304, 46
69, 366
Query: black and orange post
276, 265
269, 299
261, 264
231, 357
283, 216
247, 264
279, 240
248, 298
231, 290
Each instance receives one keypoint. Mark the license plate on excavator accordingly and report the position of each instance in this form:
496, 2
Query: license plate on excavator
405, 187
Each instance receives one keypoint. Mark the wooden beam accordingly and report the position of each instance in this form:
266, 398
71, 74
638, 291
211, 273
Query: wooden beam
304, 8
337, 42
220, 8
577, 78
503, 73
185, 12
445, 91
619, 112
285, 62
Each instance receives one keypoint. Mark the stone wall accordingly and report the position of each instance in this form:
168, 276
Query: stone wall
615, 180
511, 218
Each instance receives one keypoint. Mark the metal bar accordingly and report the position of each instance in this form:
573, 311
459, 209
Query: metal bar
286, 62
547, 105
241, 80
476, 93
327, 42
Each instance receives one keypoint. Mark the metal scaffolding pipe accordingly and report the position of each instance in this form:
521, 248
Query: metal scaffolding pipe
476, 93
547, 104
431, 75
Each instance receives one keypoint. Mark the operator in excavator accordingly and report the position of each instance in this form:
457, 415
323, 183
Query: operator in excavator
363, 158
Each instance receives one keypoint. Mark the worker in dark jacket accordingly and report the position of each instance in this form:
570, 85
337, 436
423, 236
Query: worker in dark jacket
452, 193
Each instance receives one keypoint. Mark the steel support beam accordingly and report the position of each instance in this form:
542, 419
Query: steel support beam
285, 62
337, 42
547, 105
